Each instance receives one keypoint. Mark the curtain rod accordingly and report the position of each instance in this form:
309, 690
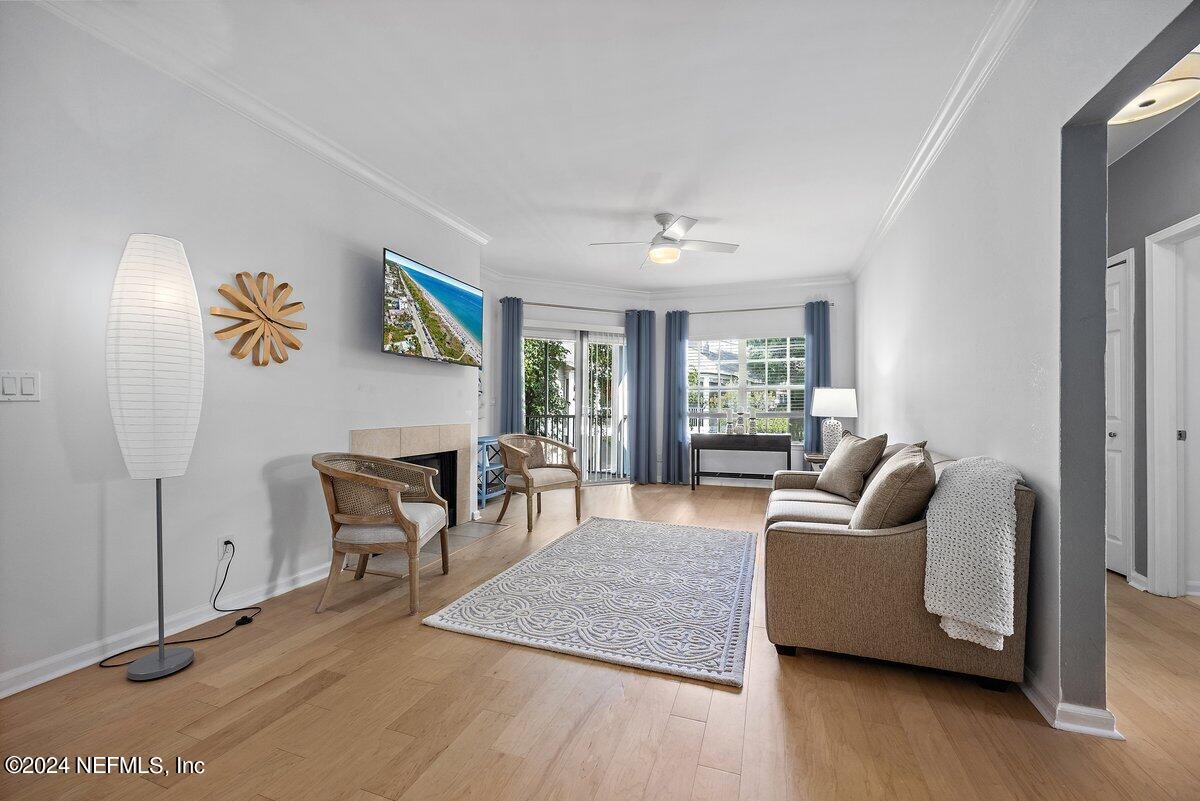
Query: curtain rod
711, 311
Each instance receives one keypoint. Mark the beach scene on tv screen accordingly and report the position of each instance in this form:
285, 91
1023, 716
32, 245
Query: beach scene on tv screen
429, 314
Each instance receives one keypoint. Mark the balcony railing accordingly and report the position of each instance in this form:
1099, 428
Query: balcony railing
602, 453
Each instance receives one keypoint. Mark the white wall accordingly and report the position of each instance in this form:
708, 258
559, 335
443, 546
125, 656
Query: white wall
96, 146
738, 324
958, 337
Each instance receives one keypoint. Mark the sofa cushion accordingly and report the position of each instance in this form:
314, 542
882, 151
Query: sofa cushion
429, 517
891, 450
808, 512
899, 493
849, 463
814, 495
542, 476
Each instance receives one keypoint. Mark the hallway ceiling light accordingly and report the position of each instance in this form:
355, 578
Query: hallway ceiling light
1178, 86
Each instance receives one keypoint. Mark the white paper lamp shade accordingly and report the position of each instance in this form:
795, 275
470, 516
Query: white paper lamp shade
155, 357
834, 402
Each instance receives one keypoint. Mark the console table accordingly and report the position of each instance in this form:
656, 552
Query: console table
769, 443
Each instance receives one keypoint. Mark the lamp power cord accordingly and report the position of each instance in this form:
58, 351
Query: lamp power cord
241, 621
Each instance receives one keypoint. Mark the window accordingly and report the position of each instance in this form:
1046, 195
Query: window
763, 375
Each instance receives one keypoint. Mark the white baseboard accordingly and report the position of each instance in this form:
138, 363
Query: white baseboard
1091, 720
26, 676
1193, 588
1138, 581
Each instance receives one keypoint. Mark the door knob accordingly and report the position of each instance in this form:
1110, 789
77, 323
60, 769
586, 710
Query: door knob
1112, 434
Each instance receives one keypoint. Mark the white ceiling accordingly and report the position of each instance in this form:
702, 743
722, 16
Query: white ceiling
784, 126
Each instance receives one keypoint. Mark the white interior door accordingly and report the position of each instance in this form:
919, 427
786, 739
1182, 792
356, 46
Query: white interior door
1118, 405
1188, 265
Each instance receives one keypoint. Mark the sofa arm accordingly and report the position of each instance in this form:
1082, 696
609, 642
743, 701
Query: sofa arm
795, 479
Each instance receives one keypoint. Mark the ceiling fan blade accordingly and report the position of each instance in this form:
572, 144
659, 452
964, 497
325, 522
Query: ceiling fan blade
711, 247
594, 244
679, 228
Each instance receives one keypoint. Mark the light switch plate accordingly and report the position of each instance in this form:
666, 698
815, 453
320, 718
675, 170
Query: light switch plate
20, 385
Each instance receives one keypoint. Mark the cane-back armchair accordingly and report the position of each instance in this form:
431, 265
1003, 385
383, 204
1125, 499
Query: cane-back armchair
534, 464
379, 505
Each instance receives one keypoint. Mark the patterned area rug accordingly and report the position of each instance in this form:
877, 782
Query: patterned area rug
674, 599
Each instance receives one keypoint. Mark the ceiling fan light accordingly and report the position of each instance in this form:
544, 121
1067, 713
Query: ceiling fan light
664, 254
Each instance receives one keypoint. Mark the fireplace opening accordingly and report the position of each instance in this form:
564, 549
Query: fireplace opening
446, 481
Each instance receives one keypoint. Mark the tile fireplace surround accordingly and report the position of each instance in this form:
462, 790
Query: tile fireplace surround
396, 443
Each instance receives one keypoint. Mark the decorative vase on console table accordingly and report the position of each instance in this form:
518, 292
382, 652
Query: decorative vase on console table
832, 403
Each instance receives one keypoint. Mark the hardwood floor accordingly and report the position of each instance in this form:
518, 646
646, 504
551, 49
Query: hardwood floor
363, 703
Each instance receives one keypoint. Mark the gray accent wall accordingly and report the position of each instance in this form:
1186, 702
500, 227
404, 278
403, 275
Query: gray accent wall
1154, 186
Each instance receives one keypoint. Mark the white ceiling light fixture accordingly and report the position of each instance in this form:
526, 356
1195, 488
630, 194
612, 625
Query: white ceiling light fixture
668, 244
663, 250
1178, 86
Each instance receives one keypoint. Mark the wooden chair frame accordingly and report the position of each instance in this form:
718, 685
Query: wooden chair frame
515, 460
394, 489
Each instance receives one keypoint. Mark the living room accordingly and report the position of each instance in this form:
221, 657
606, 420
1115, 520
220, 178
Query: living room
592, 402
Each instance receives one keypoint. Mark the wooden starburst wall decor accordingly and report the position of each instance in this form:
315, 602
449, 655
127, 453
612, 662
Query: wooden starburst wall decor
264, 325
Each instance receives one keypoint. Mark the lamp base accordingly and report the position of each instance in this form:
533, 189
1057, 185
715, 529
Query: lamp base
831, 434
151, 667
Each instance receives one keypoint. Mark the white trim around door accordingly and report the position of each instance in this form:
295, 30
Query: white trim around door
1164, 421
1119, 446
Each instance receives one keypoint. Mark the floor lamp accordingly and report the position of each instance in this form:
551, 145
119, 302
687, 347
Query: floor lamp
154, 353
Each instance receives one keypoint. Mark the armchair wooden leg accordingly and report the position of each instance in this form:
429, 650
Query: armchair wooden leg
445, 550
335, 567
578, 503
504, 508
529, 510
539, 502
362, 566
414, 578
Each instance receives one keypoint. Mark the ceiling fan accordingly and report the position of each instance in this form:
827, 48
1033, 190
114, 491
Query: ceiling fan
668, 243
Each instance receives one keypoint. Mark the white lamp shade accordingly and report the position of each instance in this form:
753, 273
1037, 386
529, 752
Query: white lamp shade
834, 402
155, 357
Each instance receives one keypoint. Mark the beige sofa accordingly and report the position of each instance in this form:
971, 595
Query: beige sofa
861, 592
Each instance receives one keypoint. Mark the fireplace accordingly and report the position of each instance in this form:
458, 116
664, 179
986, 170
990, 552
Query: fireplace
446, 481
456, 479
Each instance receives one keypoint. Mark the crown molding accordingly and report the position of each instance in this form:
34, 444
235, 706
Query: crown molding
494, 274
117, 26
701, 290
989, 48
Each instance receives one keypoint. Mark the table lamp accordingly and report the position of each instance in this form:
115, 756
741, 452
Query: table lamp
831, 403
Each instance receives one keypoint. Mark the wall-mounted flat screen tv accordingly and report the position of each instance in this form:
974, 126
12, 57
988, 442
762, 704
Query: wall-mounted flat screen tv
429, 314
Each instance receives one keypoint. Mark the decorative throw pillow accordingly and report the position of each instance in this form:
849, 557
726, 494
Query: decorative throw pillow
888, 452
899, 493
537, 455
849, 463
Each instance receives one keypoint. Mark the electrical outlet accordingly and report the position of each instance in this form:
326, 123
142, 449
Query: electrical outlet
224, 548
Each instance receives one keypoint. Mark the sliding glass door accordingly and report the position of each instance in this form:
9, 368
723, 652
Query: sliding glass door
575, 392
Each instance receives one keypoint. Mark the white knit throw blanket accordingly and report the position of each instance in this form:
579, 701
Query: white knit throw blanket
971, 547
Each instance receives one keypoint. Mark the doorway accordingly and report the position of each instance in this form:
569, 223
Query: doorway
576, 392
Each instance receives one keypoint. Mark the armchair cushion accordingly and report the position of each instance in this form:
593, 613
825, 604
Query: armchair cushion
429, 517
849, 463
808, 511
537, 454
543, 476
795, 479
813, 495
